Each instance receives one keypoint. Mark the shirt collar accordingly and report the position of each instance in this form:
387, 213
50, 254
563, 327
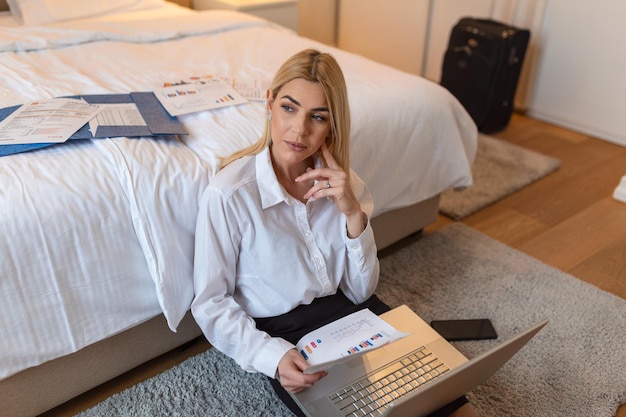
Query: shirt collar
271, 191
269, 188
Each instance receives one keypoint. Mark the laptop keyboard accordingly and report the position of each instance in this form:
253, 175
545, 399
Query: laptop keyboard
370, 396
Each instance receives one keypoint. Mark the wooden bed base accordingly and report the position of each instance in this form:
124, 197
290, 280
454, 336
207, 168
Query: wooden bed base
41, 388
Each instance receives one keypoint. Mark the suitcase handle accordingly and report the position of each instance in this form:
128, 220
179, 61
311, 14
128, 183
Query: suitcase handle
466, 49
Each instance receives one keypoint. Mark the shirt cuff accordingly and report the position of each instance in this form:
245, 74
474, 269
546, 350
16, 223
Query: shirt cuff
362, 244
266, 361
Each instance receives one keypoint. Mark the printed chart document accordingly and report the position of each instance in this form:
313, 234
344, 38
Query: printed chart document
46, 121
250, 89
197, 94
346, 338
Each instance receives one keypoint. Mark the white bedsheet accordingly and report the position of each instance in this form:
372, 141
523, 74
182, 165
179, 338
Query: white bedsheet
97, 236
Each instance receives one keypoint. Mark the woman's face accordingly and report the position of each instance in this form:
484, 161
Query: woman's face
300, 121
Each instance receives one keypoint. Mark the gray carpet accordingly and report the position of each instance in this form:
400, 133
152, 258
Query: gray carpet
574, 367
500, 168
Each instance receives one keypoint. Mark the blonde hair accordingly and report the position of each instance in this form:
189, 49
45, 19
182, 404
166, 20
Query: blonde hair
322, 68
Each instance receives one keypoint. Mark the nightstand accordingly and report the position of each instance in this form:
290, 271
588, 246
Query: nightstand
283, 12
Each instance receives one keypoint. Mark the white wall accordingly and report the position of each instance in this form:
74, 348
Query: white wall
379, 29
317, 19
580, 79
574, 72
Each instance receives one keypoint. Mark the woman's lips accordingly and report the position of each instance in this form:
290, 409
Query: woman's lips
294, 146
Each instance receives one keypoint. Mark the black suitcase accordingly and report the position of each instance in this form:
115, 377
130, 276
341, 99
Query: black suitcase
481, 69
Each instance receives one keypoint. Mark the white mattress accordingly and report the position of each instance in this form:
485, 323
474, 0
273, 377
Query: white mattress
97, 236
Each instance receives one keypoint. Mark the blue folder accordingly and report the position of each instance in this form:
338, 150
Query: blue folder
158, 121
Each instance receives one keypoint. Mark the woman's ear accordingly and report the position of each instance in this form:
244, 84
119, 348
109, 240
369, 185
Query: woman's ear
269, 99
268, 105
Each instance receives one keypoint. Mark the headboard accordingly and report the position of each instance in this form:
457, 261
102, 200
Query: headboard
3, 6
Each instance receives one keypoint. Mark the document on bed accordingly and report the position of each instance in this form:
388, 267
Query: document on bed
132, 115
46, 121
197, 94
344, 339
250, 89
122, 114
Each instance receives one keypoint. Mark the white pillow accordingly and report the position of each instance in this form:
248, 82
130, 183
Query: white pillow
36, 12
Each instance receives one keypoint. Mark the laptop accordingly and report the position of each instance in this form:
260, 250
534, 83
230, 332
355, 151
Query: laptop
413, 376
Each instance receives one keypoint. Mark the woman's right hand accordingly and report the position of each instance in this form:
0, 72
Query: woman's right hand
291, 372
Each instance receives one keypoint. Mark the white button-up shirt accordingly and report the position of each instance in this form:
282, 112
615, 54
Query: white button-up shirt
261, 252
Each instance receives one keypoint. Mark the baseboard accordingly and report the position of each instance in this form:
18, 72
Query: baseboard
620, 191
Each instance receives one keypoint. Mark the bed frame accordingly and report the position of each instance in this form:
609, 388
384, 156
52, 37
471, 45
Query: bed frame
41, 388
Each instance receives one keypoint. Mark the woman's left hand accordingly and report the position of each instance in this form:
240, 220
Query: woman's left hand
334, 183
291, 372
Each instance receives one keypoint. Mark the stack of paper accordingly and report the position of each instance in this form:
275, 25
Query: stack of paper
47, 122
140, 114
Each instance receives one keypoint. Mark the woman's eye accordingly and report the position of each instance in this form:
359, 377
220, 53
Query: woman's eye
287, 108
319, 118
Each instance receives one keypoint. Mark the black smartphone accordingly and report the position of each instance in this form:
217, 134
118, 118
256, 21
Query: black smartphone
473, 329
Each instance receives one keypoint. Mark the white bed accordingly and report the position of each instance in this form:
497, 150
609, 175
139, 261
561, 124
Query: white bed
97, 235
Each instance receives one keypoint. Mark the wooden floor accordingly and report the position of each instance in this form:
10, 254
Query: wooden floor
568, 220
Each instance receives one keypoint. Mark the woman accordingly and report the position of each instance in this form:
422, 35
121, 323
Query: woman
283, 240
